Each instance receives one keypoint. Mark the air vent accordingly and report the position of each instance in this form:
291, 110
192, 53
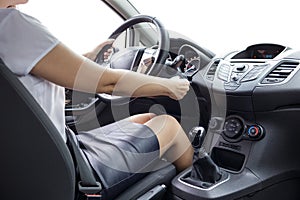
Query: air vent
212, 70
280, 73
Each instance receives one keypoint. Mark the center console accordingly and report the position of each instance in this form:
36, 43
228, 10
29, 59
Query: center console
229, 154
254, 142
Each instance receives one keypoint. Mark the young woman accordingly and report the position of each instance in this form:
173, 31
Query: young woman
116, 151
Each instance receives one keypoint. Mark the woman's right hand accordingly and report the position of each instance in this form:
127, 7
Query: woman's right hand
177, 87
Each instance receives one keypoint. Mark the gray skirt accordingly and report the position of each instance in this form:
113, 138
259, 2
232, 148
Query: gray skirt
120, 154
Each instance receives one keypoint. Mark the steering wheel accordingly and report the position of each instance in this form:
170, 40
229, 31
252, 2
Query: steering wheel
133, 58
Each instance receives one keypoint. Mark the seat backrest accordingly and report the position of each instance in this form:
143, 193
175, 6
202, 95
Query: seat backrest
35, 163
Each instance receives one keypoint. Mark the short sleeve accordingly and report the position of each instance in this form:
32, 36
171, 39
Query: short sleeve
24, 41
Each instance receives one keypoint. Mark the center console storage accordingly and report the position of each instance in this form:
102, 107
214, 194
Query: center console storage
222, 174
231, 186
243, 150
228, 159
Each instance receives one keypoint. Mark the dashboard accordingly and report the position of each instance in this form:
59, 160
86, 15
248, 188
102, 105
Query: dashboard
195, 58
192, 59
246, 78
254, 102
258, 65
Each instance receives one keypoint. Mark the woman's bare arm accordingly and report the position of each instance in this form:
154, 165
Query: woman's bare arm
68, 69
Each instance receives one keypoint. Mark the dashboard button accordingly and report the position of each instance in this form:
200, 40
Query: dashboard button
253, 74
241, 68
272, 80
224, 72
231, 85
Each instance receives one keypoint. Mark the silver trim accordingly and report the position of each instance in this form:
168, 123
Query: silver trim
199, 188
83, 108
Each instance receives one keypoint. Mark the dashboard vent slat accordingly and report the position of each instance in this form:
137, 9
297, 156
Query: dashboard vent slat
280, 73
212, 70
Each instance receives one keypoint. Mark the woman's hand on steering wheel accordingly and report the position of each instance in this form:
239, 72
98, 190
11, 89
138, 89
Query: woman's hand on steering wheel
131, 57
92, 54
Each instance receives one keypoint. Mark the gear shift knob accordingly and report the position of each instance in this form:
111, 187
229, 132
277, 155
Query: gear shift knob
196, 137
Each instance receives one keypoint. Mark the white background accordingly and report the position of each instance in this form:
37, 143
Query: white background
219, 25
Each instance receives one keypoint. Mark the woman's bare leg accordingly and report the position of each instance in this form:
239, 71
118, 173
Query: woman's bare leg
141, 118
173, 142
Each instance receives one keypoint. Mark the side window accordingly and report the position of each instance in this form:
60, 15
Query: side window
81, 25
143, 34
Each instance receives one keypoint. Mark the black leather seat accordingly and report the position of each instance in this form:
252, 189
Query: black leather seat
35, 162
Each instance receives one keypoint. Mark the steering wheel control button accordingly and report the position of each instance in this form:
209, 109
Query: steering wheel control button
233, 127
255, 131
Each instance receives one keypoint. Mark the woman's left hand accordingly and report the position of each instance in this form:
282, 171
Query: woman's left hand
92, 54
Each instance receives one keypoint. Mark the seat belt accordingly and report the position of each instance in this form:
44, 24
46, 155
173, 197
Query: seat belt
87, 184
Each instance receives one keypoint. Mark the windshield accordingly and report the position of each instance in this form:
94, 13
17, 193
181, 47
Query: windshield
222, 26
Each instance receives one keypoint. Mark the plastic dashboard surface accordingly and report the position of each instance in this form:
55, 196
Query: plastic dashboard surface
256, 66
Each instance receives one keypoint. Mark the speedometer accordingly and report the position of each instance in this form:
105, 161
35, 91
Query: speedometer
192, 66
192, 58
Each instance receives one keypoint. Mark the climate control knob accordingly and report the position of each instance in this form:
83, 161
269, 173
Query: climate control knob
234, 127
254, 131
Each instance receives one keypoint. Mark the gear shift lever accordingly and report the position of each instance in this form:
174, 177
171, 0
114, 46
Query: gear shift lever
196, 136
204, 169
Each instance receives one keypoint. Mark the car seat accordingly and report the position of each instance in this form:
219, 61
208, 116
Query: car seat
35, 161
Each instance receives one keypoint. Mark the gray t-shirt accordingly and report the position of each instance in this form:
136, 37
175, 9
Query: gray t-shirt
23, 43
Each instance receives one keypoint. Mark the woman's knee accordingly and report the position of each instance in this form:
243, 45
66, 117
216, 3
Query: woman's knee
163, 124
166, 127
172, 138
141, 118
169, 120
